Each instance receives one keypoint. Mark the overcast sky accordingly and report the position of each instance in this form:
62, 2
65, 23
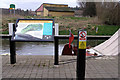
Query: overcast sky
34, 4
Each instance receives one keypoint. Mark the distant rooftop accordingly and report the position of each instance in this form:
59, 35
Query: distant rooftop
54, 4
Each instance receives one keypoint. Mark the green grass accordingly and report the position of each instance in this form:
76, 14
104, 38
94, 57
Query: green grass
79, 18
73, 18
66, 32
102, 30
5, 32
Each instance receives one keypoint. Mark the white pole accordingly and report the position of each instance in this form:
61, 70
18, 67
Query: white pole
10, 28
56, 29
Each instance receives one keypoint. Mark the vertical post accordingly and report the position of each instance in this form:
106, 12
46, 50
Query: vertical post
14, 11
10, 12
56, 51
56, 29
12, 52
12, 48
10, 28
81, 55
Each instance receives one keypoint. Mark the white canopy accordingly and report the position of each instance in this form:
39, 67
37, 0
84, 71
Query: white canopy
111, 46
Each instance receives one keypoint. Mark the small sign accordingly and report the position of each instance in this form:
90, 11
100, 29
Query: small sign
82, 35
82, 39
82, 44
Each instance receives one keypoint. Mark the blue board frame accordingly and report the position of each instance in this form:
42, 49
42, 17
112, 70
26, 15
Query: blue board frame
32, 39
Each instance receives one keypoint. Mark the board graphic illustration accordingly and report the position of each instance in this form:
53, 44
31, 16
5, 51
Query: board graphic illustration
34, 29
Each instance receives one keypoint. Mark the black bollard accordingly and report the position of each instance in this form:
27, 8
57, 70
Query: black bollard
81, 55
56, 62
12, 52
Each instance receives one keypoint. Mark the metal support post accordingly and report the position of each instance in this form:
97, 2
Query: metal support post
12, 52
56, 51
81, 55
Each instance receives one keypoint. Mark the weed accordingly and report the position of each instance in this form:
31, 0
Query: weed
44, 64
38, 65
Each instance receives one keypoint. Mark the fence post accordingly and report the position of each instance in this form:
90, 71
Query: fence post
12, 45
56, 43
81, 55
10, 28
12, 52
56, 29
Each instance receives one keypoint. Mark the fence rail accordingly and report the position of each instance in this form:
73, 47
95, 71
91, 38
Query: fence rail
89, 37
5, 36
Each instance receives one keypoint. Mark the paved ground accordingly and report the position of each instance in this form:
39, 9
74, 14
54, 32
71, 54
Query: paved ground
43, 67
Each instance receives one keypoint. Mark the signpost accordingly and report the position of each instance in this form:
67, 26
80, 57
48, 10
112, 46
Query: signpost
81, 55
82, 39
30, 30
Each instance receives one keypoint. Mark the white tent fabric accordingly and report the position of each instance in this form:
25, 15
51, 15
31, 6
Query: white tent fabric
111, 46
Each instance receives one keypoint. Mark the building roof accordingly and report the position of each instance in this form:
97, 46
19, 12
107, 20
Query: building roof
55, 4
41, 7
59, 9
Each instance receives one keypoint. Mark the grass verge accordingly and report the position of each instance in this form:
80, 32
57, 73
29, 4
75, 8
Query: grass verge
102, 30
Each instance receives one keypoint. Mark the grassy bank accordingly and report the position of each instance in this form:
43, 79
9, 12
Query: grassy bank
66, 23
102, 30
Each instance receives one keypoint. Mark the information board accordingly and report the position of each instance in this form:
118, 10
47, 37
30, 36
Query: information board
34, 30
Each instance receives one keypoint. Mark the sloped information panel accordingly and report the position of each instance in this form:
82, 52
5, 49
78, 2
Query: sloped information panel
34, 30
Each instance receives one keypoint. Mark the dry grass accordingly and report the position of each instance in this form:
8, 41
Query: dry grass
75, 24
65, 23
8, 19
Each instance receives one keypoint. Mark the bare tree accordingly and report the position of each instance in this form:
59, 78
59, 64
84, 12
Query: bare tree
108, 12
82, 5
